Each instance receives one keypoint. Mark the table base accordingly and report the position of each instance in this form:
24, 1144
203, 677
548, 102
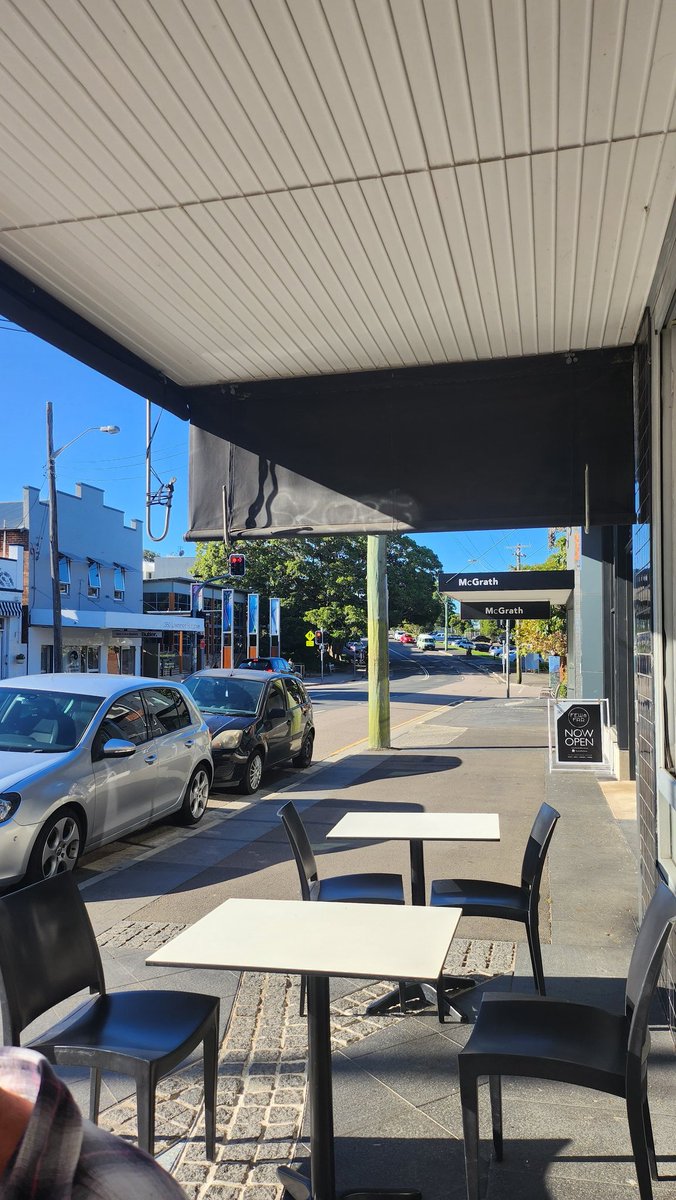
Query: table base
300, 1188
426, 993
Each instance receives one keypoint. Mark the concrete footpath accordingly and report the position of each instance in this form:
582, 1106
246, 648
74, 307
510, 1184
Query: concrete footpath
397, 1109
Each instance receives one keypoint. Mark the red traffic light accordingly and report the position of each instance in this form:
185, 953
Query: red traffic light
237, 564
318, 637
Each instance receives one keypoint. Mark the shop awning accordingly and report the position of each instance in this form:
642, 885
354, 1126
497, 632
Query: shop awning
10, 608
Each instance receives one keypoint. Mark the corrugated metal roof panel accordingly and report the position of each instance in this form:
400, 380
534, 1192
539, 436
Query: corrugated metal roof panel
290, 187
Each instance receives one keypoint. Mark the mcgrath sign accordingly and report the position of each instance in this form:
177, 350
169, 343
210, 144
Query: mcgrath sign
579, 735
515, 610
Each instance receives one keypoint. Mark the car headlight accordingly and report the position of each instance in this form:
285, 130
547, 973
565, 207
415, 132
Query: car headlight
9, 802
227, 739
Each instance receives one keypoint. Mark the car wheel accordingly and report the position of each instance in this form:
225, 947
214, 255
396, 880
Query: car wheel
304, 757
251, 781
196, 798
58, 847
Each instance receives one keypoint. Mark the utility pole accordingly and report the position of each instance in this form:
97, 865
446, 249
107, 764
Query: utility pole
57, 651
445, 622
378, 654
52, 455
519, 553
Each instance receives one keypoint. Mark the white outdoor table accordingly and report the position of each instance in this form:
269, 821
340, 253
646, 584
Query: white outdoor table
364, 941
416, 828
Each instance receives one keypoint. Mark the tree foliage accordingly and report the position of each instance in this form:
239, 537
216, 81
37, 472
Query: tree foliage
321, 581
550, 636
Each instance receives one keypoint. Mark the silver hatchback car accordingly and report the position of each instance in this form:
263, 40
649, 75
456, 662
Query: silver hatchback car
85, 759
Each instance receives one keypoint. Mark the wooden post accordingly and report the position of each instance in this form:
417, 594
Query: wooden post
378, 654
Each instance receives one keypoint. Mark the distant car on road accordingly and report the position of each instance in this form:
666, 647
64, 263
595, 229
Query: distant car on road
266, 664
256, 720
85, 759
425, 641
398, 634
407, 639
461, 643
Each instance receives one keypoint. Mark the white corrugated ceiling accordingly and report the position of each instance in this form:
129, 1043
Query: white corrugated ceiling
245, 189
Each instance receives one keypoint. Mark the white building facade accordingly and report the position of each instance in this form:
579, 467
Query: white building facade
101, 586
12, 646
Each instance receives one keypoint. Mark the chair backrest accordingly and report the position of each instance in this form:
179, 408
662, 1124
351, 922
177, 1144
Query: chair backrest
536, 850
646, 964
302, 850
48, 951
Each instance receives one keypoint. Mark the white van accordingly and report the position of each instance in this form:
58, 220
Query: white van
426, 641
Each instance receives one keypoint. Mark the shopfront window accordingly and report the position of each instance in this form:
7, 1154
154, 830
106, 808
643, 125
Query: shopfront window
82, 659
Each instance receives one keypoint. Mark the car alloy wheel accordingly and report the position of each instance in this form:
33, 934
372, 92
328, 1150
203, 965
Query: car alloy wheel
253, 774
57, 849
196, 797
304, 758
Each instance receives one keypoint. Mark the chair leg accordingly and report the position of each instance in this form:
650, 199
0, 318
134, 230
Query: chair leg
469, 1099
650, 1140
94, 1094
441, 999
303, 991
533, 935
495, 1089
402, 996
210, 1052
639, 1144
145, 1109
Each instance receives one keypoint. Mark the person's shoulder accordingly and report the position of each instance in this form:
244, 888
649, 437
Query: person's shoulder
110, 1168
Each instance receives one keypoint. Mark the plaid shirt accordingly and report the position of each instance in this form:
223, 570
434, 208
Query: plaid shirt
63, 1157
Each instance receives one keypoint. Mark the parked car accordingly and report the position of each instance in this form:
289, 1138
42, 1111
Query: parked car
256, 720
266, 664
398, 634
85, 759
461, 643
407, 639
425, 641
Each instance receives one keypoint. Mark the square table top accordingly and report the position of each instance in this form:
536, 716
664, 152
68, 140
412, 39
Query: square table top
396, 825
364, 941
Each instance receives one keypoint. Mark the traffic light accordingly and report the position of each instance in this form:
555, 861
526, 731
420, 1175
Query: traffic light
318, 637
237, 564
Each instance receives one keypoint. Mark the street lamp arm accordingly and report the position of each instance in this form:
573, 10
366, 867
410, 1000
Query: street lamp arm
89, 429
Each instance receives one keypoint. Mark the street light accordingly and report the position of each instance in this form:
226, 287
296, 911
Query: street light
52, 455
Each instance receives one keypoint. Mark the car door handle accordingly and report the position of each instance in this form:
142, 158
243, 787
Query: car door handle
150, 758
188, 741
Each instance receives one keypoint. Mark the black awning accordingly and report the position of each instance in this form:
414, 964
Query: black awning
542, 441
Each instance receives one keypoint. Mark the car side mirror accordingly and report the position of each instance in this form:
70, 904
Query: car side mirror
118, 748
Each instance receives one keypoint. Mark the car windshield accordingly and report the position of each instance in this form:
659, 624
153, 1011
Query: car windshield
232, 697
41, 722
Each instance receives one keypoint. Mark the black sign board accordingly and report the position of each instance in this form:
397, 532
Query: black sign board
579, 733
506, 581
508, 610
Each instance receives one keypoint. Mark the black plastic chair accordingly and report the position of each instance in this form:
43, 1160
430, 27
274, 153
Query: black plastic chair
372, 888
572, 1043
48, 953
483, 898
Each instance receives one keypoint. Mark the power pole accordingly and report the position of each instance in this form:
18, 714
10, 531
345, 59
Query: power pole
57, 651
519, 553
378, 654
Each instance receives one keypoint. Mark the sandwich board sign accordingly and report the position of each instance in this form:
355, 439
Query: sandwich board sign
578, 736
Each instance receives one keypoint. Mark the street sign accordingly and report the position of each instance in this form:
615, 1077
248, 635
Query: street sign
508, 610
579, 735
309, 637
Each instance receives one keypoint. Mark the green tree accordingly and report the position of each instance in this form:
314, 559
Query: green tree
550, 636
321, 581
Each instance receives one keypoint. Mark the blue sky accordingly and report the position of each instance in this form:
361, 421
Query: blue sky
33, 372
